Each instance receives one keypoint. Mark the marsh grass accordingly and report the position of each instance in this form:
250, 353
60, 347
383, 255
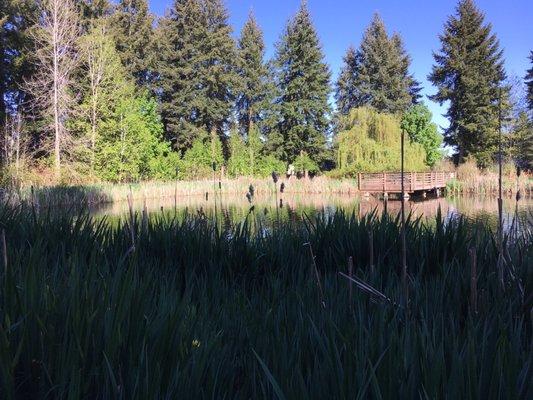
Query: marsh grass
109, 193
204, 309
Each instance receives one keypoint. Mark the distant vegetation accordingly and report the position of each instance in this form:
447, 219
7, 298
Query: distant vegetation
98, 92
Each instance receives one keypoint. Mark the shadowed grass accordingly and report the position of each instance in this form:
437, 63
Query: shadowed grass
199, 310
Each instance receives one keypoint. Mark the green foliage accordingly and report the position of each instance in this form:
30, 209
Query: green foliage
239, 160
521, 149
131, 145
417, 122
92, 11
469, 74
377, 74
247, 158
255, 81
133, 33
197, 162
120, 133
303, 163
196, 69
16, 18
371, 142
529, 83
302, 78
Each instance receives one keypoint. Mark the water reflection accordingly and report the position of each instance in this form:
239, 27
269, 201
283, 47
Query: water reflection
236, 208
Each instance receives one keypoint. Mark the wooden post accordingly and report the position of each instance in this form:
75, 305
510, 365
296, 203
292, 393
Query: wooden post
413, 188
359, 181
384, 177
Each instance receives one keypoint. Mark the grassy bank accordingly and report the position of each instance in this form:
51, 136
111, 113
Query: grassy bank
486, 184
194, 310
109, 193
471, 180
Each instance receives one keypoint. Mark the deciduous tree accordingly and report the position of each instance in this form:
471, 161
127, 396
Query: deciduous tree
55, 39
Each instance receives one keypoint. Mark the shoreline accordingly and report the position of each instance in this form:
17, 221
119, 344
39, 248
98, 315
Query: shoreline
113, 193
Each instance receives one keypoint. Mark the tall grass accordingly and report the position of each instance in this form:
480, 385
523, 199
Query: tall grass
471, 180
200, 310
109, 193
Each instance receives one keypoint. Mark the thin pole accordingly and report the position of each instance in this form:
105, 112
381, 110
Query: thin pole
500, 194
404, 246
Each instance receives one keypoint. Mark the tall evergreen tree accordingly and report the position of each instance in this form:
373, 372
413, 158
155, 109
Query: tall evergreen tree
529, 83
302, 77
219, 74
197, 75
469, 74
346, 91
132, 28
254, 76
377, 74
92, 10
16, 16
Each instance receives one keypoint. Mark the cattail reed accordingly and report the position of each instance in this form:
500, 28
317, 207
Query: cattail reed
4, 248
473, 280
350, 274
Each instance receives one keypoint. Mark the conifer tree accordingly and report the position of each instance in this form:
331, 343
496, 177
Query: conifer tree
219, 74
469, 74
16, 16
92, 10
132, 28
346, 93
254, 76
302, 105
377, 74
197, 75
529, 83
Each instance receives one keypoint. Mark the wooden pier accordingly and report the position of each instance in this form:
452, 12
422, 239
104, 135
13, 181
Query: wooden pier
391, 182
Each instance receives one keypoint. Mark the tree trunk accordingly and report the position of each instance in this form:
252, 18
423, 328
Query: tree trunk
57, 120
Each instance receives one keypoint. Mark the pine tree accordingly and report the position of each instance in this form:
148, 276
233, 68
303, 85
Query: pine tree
16, 17
377, 74
219, 74
346, 93
92, 10
302, 77
529, 83
132, 28
197, 76
469, 74
254, 77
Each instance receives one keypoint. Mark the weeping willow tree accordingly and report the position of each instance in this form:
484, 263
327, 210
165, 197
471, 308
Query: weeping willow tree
371, 142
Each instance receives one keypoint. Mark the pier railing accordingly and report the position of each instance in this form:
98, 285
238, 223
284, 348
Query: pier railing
391, 182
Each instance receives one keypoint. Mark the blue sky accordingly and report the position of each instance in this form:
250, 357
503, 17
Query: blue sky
342, 22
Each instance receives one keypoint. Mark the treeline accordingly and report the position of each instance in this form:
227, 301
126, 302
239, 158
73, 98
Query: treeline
91, 90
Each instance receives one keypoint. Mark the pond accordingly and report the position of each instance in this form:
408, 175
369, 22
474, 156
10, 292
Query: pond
483, 209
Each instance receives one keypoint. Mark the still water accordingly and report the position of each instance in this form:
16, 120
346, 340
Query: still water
517, 214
